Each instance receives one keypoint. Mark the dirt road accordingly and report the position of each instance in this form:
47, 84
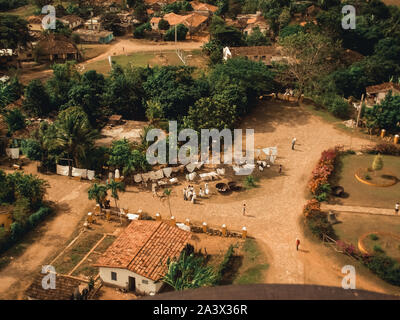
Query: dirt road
273, 215
70, 199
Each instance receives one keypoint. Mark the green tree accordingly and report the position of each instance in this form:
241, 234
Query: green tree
154, 111
98, 192
15, 120
377, 164
74, 133
112, 22
124, 92
37, 100
181, 32
257, 38
385, 115
163, 25
65, 76
174, 87
310, 56
223, 34
211, 113
88, 94
167, 192
115, 188
14, 32
10, 91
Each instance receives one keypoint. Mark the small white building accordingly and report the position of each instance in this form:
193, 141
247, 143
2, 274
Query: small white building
137, 260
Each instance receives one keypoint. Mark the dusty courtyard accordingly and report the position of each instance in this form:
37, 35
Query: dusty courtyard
273, 208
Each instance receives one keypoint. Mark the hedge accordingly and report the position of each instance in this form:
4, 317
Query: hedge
18, 230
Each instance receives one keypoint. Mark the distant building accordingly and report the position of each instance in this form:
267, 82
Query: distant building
35, 22
258, 22
137, 260
93, 24
247, 22
67, 288
72, 21
56, 48
203, 8
5, 212
193, 21
154, 22
157, 5
377, 93
266, 54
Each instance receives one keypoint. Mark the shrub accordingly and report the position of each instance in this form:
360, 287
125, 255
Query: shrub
324, 169
250, 182
319, 225
378, 249
181, 32
384, 267
347, 248
383, 148
339, 108
373, 237
312, 206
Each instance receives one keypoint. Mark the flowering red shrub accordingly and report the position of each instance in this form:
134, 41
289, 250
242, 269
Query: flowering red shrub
324, 169
348, 248
312, 206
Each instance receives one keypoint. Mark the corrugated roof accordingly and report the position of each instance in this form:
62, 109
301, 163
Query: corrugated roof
144, 248
383, 87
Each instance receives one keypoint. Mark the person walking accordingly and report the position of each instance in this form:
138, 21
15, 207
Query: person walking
201, 194
184, 194
244, 209
297, 244
397, 207
280, 169
194, 197
293, 143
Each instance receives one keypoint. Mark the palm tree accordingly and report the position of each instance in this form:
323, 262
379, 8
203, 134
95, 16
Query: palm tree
167, 192
98, 192
115, 187
74, 133
189, 272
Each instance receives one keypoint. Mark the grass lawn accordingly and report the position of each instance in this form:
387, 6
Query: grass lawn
361, 194
355, 225
383, 243
254, 266
142, 59
71, 257
86, 268
91, 51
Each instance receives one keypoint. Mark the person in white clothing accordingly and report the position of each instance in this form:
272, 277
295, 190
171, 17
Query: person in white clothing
397, 207
206, 189
194, 197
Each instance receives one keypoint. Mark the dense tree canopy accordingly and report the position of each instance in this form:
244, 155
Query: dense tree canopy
14, 32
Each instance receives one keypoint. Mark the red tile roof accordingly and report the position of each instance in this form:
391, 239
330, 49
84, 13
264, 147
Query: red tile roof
383, 87
200, 6
144, 248
65, 287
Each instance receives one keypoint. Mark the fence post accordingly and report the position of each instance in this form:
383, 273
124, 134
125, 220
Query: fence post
224, 230
244, 233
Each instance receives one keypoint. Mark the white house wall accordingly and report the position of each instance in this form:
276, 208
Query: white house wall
123, 280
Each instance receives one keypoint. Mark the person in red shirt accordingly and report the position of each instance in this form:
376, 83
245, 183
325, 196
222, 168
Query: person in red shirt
297, 244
